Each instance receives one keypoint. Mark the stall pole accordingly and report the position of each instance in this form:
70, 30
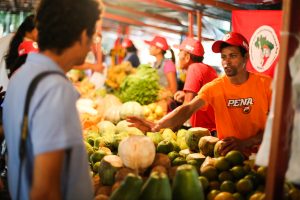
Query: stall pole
282, 125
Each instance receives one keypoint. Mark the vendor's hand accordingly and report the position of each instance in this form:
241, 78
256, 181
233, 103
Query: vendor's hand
232, 143
2, 95
179, 96
140, 123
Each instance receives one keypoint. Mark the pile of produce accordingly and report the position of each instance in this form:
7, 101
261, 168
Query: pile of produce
154, 111
142, 87
116, 74
174, 165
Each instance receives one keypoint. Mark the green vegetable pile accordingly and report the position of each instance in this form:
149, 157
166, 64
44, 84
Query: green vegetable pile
142, 86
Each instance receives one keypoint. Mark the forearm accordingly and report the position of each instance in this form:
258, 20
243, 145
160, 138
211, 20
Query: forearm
176, 118
47, 173
51, 193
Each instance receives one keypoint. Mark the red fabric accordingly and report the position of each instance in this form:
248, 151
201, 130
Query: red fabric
27, 47
198, 75
262, 30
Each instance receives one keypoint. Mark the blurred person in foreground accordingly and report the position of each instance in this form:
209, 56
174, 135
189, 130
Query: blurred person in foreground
55, 165
240, 99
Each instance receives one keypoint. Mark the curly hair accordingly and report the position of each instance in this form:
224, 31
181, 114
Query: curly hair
60, 23
27, 26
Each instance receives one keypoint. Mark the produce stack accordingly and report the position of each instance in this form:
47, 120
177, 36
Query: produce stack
182, 163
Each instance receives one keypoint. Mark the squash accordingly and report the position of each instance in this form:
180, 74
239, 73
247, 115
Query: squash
106, 127
137, 152
109, 166
111, 100
131, 108
112, 114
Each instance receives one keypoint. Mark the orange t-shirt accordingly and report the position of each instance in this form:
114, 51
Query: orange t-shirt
240, 110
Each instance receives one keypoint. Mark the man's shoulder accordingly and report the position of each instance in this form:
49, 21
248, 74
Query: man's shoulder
261, 77
216, 83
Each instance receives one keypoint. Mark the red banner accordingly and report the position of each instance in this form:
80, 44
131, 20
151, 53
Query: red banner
262, 30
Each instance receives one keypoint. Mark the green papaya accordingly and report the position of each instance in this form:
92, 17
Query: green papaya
178, 161
157, 187
186, 184
97, 156
109, 166
129, 189
165, 147
172, 155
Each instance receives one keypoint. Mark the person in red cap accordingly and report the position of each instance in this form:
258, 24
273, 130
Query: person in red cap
166, 68
240, 99
130, 52
24, 49
26, 32
198, 74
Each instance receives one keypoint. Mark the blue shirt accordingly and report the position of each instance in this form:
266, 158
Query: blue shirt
53, 125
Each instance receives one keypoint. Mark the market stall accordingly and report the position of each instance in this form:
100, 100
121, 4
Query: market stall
183, 163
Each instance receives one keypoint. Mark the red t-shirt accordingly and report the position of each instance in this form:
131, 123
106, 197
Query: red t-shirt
198, 75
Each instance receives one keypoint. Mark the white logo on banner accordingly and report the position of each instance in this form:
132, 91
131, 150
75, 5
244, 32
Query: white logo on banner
264, 48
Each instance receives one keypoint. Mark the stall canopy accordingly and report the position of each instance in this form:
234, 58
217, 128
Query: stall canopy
173, 16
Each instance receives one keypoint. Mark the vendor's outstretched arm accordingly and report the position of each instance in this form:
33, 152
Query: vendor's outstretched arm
172, 120
178, 116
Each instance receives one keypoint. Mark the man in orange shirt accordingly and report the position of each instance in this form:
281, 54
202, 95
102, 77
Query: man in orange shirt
240, 99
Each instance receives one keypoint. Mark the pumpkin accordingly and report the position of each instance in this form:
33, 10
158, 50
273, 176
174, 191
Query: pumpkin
112, 114
111, 100
137, 152
131, 108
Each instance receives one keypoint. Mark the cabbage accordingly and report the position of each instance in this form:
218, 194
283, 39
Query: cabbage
142, 87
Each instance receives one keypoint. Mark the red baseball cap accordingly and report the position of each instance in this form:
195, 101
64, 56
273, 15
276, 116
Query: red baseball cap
159, 42
191, 46
234, 39
127, 43
27, 47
